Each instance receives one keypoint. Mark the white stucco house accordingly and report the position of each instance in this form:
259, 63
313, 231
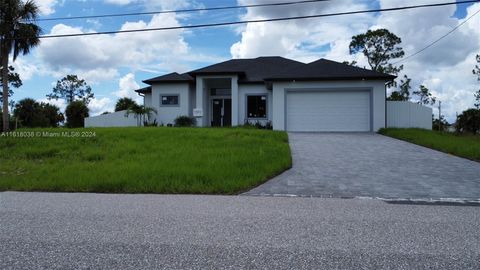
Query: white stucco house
320, 96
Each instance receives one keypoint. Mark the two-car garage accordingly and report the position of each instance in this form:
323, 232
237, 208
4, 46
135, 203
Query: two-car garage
328, 110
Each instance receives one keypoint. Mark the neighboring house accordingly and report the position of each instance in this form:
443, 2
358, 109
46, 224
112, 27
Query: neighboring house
320, 96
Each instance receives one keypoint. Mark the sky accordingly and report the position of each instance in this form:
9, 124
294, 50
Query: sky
115, 65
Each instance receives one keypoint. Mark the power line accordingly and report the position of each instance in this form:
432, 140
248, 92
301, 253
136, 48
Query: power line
181, 10
437, 40
258, 20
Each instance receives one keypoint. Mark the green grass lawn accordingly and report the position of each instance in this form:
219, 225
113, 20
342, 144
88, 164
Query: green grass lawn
144, 160
467, 146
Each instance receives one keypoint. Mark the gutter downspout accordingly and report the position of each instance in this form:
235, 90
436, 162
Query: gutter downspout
386, 105
142, 95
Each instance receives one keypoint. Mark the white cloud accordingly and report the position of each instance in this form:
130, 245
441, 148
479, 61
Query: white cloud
100, 105
299, 39
119, 2
47, 7
154, 4
445, 68
95, 24
99, 57
126, 86
419, 27
25, 69
60, 103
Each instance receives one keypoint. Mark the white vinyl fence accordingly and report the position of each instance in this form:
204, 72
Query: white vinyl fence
116, 119
404, 114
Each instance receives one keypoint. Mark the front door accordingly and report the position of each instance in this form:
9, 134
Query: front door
221, 112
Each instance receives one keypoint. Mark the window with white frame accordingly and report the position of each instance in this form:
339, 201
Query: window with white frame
257, 106
169, 100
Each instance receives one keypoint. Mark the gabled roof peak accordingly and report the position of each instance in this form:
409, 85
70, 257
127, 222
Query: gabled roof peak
170, 78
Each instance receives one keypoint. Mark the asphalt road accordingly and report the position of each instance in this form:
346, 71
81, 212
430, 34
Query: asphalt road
95, 231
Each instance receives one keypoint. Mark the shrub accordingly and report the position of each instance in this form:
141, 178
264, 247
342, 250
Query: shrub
152, 124
30, 113
440, 124
257, 124
11, 123
52, 114
248, 124
185, 121
468, 121
76, 112
269, 125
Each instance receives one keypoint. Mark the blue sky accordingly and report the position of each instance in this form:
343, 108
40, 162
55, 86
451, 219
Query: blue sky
114, 65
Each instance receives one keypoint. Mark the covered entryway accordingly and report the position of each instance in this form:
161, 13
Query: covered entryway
218, 92
328, 110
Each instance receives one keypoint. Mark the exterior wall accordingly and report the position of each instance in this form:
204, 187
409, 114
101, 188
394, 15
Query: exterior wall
378, 98
116, 119
147, 100
192, 97
404, 114
250, 89
167, 114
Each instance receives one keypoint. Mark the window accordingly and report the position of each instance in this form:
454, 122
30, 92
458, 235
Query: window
257, 106
169, 100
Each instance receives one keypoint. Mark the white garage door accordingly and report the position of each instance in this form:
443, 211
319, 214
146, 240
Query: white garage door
343, 111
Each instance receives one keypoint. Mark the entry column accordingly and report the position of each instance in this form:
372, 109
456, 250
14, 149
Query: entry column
199, 100
234, 87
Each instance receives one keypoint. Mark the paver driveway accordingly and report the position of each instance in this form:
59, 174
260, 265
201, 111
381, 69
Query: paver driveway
372, 165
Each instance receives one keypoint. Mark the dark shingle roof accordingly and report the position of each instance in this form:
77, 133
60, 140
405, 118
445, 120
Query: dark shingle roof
324, 69
173, 77
144, 90
250, 70
275, 68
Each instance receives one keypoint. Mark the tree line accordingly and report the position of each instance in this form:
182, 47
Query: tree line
31, 113
78, 94
380, 47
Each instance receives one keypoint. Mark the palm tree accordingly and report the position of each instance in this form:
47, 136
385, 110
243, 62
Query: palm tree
18, 34
125, 104
140, 112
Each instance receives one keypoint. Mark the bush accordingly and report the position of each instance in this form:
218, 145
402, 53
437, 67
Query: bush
440, 124
185, 121
10, 120
52, 113
152, 124
30, 113
258, 125
76, 113
468, 121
